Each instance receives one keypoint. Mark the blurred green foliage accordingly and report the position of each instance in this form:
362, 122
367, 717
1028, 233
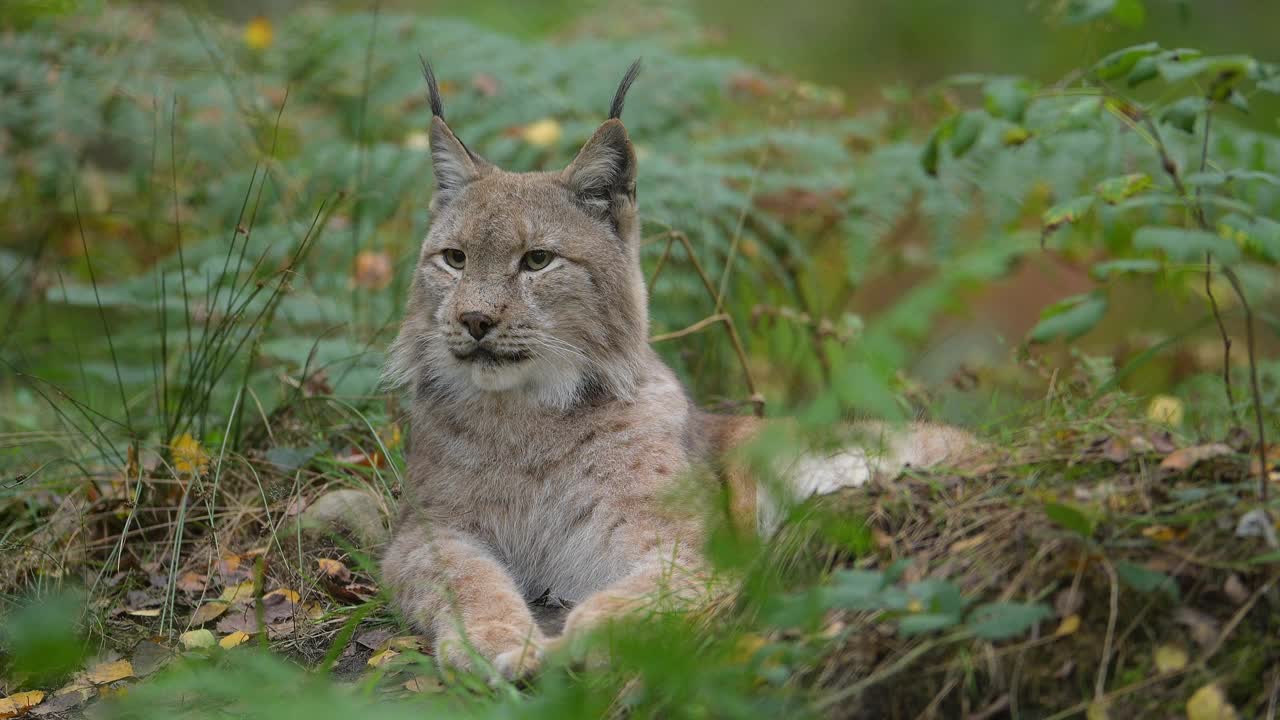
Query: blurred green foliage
40, 637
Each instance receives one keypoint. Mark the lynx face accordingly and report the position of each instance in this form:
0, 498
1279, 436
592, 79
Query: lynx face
522, 285
528, 284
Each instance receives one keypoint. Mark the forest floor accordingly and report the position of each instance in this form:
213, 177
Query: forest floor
1126, 573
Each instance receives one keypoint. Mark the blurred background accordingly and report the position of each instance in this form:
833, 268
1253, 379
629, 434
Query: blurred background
202, 199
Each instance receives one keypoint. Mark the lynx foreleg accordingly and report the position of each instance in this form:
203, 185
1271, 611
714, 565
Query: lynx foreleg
449, 585
658, 583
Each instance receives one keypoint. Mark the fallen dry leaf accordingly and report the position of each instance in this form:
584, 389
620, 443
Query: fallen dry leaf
380, 658
197, 639
1069, 625
109, 672
150, 656
1163, 533
65, 699
374, 639
192, 582
422, 683
1187, 458
1209, 703
408, 642
19, 703
208, 612
149, 612
280, 595
235, 639
334, 570
1170, 658
239, 592
278, 614
353, 593
1116, 449
232, 569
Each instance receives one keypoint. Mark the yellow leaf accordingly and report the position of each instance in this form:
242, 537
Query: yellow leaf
1165, 409
380, 658
209, 611
285, 593
233, 640
258, 33
542, 133
1170, 658
109, 672
422, 683
407, 642
1209, 703
188, 456
1162, 533
194, 639
238, 593
1069, 625
19, 703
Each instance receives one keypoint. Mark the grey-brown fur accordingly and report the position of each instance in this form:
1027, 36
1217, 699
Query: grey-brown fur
544, 452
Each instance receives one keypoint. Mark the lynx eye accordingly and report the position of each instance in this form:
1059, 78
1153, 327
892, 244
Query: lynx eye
537, 259
455, 258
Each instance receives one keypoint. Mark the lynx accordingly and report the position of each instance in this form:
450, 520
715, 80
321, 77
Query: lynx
547, 436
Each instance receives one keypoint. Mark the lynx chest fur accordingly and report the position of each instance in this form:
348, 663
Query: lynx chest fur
565, 499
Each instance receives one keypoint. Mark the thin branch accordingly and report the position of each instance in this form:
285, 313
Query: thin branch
702, 324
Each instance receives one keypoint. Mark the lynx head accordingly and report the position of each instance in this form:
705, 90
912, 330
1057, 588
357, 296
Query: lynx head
528, 285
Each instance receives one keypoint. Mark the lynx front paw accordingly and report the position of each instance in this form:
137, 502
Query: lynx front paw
504, 651
518, 663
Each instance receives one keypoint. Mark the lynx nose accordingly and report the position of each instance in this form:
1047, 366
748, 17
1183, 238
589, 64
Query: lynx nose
478, 324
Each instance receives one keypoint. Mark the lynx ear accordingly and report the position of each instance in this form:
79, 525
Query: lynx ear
453, 163
603, 176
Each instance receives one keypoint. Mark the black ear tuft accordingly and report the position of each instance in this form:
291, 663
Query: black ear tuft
433, 88
620, 97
